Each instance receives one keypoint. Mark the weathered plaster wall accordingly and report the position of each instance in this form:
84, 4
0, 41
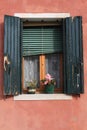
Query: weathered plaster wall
43, 115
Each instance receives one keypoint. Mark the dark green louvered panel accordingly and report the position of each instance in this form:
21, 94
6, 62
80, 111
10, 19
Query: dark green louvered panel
12, 49
73, 56
67, 55
78, 66
42, 40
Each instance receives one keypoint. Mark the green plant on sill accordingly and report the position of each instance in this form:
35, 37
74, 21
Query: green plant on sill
49, 83
31, 84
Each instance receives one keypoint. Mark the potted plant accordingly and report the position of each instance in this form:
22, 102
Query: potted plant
31, 86
49, 83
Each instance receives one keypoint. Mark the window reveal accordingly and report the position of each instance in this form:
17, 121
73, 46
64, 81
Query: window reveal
46, 43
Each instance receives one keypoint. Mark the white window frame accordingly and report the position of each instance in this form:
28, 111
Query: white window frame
40, 17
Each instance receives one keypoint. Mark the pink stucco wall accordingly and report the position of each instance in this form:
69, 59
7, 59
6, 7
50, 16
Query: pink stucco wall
44, 115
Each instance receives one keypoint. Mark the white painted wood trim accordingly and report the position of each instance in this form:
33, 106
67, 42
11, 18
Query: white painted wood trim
42, 15
42, 97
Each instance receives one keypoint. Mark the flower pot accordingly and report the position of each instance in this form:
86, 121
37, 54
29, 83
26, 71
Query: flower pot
31, 90
49, 88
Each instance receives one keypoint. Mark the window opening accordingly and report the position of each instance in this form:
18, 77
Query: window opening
43, 52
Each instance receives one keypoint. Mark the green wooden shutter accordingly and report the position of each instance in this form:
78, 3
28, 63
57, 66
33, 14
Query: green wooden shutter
42, 40
12, 49
73, 56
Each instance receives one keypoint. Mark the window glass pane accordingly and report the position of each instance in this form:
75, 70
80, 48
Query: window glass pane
31, 69
52, 67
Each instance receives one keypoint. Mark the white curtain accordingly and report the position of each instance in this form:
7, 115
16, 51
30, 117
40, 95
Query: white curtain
52, 67
31, 68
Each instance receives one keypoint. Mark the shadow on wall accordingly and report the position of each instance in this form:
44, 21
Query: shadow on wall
1, 59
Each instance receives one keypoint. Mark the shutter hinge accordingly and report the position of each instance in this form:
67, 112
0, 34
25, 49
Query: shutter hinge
78, 75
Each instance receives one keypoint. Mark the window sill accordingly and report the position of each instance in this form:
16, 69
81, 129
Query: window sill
42, 97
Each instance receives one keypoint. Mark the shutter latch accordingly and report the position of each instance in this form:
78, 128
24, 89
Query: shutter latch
78, 76
6, 62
